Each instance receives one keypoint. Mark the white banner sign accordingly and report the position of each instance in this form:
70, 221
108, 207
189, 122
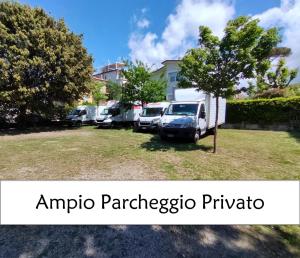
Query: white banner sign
150, 202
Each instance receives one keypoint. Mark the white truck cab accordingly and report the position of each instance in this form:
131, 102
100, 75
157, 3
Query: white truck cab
191, 115
151, 115
82, 115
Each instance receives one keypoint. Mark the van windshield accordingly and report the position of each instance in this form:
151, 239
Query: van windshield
149, 112
75, 112
182, 109
111, 111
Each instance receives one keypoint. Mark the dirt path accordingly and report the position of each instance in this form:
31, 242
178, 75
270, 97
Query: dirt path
137, 241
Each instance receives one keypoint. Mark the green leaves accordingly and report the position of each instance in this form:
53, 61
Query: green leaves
218, 65
98, 92
264, 111
139, 86
114, 90
273, 82
41, 61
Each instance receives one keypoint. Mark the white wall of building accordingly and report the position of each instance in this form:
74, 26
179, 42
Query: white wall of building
169, 73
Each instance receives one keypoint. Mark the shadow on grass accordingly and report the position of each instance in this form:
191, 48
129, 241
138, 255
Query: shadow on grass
117, 126
40, 129
290, 236
156, 144
295, 134
138, 241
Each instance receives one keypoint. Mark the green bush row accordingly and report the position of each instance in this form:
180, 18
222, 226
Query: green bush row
264, 111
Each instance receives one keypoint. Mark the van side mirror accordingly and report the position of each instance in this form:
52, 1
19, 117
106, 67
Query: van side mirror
161, 113
202, 115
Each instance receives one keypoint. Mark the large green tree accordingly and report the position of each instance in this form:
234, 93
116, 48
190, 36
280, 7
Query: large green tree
218, 64
139, 86
41, 61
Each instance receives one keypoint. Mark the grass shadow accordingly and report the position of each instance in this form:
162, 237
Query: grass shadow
295, 134
115, 128
12, 131
139, 241
156, 144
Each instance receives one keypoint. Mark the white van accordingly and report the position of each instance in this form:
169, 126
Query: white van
191, 115
116, 113
99, 111
151, 115
83, 115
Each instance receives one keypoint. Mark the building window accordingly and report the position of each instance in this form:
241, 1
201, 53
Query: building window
173, 77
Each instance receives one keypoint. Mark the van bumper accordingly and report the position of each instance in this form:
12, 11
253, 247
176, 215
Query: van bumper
177, 132
71, 122
148, 126
103, 124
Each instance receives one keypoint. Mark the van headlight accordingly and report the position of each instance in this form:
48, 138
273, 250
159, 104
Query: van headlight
108, 120
156, 121
161, 124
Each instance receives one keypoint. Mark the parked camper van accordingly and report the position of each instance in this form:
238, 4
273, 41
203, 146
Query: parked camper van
116, 113
191, 115
83, 115
151, 115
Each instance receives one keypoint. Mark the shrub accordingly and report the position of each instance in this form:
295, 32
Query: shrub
264, 111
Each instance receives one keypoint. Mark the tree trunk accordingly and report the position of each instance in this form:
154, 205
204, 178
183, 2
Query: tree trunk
21, 119
216, 124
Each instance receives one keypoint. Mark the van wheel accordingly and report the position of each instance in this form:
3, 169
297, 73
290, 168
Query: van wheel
163, 137
196, 137
113, 124
136, 129
79, 123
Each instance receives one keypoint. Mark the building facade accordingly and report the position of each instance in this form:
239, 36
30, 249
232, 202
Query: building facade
112, 72
168, 72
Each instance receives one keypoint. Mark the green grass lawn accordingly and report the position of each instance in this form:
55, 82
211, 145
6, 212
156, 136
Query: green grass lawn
89, 153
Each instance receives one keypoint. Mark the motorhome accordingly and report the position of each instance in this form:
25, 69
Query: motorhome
150, 116
84, 115
116, 113
191, 115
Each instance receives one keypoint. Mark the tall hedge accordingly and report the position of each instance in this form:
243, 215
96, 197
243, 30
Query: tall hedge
264, 111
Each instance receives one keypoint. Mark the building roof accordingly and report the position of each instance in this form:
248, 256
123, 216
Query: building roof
112, 67
97, 78
170, 60
164, 63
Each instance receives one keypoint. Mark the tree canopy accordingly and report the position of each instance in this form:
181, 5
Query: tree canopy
114, 90
139, 86
98, 91
41, 61
218, 65
274, 82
